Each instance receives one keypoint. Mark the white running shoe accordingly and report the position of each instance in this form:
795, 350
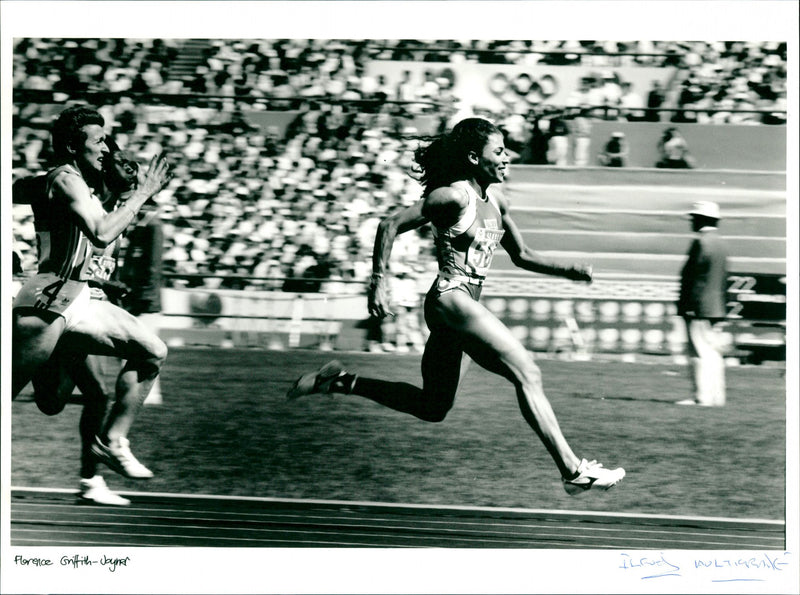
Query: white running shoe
592, 474
332, 377
694, 402
117, 456
96, 491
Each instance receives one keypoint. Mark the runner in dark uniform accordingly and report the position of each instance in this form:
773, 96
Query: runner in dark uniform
470, 219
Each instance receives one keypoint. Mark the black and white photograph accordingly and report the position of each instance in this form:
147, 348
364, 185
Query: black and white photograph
399, 297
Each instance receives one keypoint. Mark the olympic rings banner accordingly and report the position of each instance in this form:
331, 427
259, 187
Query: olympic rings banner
495, 86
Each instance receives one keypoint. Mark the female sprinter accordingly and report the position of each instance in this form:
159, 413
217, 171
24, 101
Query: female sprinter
470, 218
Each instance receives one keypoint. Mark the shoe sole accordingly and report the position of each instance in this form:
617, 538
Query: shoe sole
110, 462
302, 386
305, 384
574, 489
91, 501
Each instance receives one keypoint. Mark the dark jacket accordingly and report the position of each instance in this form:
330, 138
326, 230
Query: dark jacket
704, 278
142, 268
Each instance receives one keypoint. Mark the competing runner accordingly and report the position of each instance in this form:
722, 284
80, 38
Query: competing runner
57, 378
470, 219
54, 305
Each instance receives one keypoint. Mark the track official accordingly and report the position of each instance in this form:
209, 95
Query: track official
702, 305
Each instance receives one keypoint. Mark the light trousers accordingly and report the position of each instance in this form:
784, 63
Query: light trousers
705, 347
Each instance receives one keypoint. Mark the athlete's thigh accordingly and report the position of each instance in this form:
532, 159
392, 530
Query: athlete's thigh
110, 330
442, 364
485, 338
34, 336
53, 379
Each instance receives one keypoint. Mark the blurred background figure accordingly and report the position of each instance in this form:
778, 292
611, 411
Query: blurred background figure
702, 306
655, 100
581, 139
142, 273
631, 103
558, 142
534, 152
407, 300
615, 152
379, 333
674, 151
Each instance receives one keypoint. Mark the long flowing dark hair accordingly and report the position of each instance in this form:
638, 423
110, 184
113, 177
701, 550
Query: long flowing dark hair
444, 160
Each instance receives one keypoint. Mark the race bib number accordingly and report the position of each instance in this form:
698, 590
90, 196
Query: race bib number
481, 251
101, 267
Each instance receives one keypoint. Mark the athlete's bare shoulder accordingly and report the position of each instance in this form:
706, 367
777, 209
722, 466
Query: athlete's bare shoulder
69, 184
496, 194
444, 206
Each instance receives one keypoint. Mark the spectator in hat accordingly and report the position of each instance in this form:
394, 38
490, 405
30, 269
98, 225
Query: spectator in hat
702, 306
615, 151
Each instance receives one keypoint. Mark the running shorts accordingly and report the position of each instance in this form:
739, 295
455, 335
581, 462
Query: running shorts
47, 292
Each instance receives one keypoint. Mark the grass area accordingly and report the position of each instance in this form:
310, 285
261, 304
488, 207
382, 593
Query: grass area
225, 428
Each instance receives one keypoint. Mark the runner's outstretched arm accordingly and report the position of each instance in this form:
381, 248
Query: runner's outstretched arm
527, 259
400, 222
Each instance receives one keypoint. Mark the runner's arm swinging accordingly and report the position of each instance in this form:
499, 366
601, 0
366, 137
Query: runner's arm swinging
404, 220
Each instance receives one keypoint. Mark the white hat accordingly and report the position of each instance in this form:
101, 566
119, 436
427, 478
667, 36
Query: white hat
705, 209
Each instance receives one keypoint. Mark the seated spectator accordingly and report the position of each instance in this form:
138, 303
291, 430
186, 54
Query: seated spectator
674, 151
615, 153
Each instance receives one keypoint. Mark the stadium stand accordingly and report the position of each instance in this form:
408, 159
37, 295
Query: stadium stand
288, 152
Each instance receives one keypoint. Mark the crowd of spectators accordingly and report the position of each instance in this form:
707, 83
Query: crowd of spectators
245, 203
259, 206
739, 83
715, 75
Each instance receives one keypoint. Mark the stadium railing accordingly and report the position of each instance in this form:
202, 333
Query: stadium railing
331, 319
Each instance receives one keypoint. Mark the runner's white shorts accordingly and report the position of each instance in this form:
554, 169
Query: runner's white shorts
47, 292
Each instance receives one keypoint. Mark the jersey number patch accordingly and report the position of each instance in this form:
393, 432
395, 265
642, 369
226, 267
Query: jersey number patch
481, 251
51, 293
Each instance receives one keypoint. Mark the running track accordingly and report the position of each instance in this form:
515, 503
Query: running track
50, 517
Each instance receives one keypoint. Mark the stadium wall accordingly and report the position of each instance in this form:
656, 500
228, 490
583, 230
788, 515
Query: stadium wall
728, 147
714, 146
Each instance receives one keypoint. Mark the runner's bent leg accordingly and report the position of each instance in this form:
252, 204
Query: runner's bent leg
110, 330
88, 378
442, 367
52, 383
487, 341
34, 336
